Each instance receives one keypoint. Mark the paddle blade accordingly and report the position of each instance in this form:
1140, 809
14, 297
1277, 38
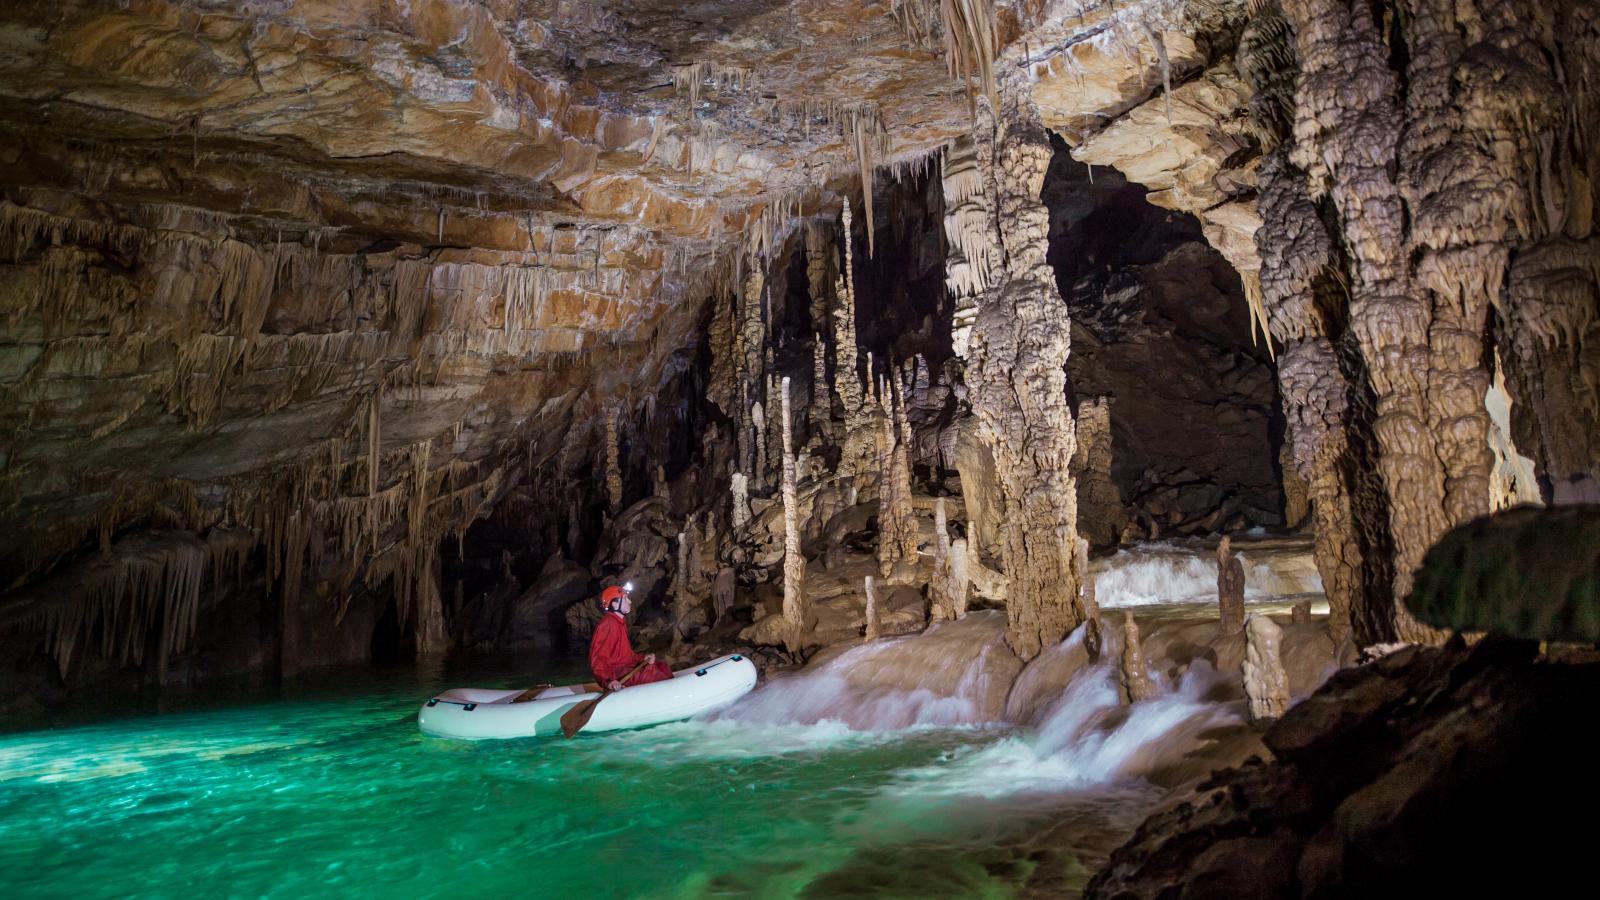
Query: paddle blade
578, 716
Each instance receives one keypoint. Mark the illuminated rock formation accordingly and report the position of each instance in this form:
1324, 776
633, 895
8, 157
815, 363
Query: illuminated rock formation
1264, 680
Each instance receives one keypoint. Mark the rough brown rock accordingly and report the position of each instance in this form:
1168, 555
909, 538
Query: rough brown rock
1390, 775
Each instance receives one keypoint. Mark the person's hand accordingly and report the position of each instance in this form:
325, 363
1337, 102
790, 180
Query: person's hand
649, 659
614, 686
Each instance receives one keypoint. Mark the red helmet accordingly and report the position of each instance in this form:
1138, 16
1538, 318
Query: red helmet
611, 597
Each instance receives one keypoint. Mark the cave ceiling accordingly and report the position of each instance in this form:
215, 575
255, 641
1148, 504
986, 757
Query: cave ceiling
239, 234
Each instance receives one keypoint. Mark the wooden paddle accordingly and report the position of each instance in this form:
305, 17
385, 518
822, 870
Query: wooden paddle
573, 720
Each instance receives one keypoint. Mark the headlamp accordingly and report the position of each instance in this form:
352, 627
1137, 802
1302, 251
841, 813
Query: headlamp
628, 587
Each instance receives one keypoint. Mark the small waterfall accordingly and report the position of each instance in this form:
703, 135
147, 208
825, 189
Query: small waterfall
956, 673
1161, 572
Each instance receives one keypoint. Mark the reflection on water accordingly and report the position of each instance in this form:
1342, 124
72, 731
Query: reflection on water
329, 790
812, 786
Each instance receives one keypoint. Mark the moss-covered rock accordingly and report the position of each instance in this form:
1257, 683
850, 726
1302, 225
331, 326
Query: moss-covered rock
1529, 572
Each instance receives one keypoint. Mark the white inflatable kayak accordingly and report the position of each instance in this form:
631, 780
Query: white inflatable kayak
476, 714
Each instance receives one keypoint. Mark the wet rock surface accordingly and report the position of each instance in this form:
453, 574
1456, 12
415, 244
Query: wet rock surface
1387, 781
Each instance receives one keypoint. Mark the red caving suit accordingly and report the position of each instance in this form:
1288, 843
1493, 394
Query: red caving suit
611, 654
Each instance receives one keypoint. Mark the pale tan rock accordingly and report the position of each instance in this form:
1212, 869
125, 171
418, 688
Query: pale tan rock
1265, 682
874, 626
794, 599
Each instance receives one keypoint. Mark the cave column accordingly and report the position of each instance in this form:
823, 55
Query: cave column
794, 564
1347, 132
1017, 385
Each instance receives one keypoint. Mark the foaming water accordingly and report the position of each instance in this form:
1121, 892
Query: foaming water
910, 690
338, 793
1167, 573
891, 768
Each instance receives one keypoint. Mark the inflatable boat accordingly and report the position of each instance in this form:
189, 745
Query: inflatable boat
475, 714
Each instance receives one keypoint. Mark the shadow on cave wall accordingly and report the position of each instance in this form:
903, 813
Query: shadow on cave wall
1161, 329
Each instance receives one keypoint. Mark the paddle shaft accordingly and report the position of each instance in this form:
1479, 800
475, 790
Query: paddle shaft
573, 720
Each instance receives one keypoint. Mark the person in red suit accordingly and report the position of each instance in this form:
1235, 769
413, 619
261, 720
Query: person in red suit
611, 654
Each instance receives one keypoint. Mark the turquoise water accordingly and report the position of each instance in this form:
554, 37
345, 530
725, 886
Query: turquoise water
330, 790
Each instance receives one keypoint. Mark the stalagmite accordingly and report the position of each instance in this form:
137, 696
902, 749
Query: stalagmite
681, 598
1230, 589
794, 565
958, 580
1300, 613
873, 625
1017, 387
941, 605
1136, 681
821, 406
758, 423
1101, 514
1265, 682
859, 436
751, 333
740, 487
658, 482
1093, 638
897, 525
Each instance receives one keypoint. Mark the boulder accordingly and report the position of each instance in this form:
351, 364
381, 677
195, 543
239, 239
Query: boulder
541, 611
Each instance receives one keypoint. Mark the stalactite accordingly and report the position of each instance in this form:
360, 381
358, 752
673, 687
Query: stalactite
971, 233
143, 587
613, 467
794, 564
862, 132
1017, 387
690, 78
970, 39
374, 442
1265, 682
